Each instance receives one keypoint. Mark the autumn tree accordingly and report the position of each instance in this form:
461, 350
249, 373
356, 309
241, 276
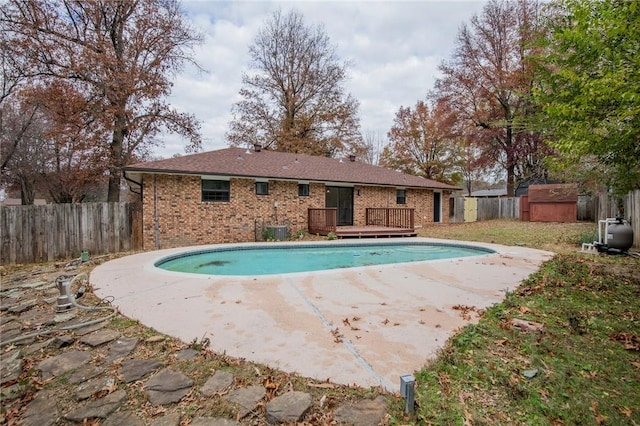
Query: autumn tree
120, 54
23, 151
75, 156
590, 86
489, 83
423, 142
293, 99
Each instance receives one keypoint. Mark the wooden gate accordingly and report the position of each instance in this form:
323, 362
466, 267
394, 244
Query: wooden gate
470, 209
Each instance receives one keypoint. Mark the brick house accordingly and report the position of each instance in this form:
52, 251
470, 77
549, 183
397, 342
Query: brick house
230, 195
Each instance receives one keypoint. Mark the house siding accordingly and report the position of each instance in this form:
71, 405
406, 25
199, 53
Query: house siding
183, 219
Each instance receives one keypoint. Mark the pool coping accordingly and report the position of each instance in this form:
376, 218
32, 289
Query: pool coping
296, 321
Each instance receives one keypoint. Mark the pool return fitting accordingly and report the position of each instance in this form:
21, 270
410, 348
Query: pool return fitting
65, 302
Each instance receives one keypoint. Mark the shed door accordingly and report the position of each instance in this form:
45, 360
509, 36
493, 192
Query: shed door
342, 199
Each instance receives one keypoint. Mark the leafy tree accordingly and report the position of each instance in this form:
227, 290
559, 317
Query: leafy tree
590, 87
120, 54
423, 143
293, 99
489, 84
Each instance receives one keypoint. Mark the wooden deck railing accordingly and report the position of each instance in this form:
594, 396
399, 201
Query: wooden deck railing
390, 217
322, 221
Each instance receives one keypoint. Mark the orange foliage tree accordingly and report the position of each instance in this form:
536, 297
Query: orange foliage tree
489, 83
121, 55
423, 142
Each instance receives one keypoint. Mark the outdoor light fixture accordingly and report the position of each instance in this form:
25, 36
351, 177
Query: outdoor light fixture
407, 391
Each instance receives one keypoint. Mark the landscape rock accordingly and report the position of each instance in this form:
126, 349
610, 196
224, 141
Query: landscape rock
172, 419
15, 391
36, 347
57, 365
41, 411
122, 347
63, 341
217, 383
362, 413
99, 408
186, 354
212, 421
10, 366
135, 369
124, 418
23, 306
527, 326
89, 329
167, 386
289, 407
91, 387
100, 337
246, 398
85, 373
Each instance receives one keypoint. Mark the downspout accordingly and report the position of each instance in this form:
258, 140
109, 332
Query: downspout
155, 212
124, 174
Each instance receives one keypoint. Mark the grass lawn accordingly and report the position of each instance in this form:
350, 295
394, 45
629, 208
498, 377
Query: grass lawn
581, 368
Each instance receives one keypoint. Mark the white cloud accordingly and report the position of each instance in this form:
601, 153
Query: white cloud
395, 48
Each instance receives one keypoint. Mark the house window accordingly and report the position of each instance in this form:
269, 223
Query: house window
215, 190
401, 196
262, 188
303, 189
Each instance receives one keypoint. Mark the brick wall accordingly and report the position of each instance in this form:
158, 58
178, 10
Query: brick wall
184, 219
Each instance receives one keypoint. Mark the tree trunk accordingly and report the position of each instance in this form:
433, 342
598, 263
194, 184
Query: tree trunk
27, 192
115, 151
511, 163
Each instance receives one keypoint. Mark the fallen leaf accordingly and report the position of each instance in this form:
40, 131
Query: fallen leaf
525, 310
346, 321
385, 321
626, 411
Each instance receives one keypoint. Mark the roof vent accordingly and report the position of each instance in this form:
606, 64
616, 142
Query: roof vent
257, 147
352, 158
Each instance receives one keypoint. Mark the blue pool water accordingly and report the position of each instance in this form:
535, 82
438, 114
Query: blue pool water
287, 258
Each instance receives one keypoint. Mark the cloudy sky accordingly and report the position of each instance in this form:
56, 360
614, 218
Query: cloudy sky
395, 48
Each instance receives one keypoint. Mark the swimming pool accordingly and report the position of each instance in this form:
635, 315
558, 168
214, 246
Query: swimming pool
286, 258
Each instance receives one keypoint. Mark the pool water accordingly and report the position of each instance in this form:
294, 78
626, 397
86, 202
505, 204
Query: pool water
288, 258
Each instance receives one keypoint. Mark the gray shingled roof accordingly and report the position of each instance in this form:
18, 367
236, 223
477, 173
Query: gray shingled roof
239, 162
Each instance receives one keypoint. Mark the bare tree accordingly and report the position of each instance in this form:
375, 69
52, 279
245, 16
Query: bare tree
374, 143
489, 83
294, 100
23, 147
122, 54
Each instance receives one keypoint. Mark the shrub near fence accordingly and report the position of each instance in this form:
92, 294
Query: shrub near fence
63, 231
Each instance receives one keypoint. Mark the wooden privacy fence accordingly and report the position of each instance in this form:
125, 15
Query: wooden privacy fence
484, 209
63, 231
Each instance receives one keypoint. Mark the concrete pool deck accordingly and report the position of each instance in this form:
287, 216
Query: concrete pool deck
364, 326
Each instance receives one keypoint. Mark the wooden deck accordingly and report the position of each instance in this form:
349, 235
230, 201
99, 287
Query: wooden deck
380, 222
373, 232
